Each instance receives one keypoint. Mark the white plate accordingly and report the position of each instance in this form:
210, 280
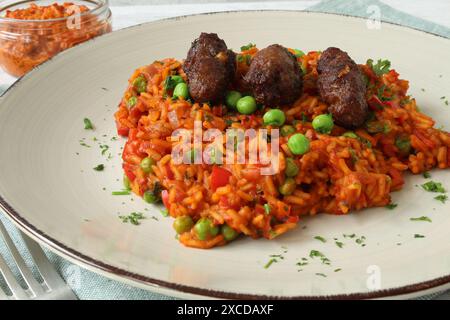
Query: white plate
53, 194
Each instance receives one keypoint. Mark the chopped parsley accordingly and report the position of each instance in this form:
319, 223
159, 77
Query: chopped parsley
339, 244
432, 186
427, 175
423, 218
361, 241
442, 198
337, 270
88, 124
84, 144
100, 167
418, 236
104, 148
121, 193
171, 82
381, 67
321, 275
274, 258
267, 208
321, 239
133, 218
318, 254
244, 58
268, 264
247, 47
391, 206
298, 53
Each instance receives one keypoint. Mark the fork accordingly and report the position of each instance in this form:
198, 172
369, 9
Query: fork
53, 286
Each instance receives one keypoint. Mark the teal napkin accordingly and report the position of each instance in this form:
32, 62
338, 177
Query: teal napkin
359, 8
89, 285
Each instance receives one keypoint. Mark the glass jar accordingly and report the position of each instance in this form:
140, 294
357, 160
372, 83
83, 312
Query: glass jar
28, 38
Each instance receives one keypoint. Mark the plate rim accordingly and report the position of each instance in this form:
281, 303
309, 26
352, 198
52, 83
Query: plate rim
135, 279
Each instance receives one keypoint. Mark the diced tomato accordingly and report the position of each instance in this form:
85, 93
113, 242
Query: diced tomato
293, 219
133, 134
165, 198
223, 202
169, 172
122, 130
136, 112
219, 177
375, 103
129, 171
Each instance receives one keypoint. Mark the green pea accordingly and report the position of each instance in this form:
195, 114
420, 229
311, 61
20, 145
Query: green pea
232, 98
183, 224
287, 130
291, 168
298, 144
140, 84
204, 228
146, 164
172, 81
181, 91
229, 233
323, 123
274, 117
298, 53
246, 105
132, 102
126, 183
150, 197
288, 187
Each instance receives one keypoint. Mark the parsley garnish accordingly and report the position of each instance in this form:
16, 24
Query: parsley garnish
321, 239
171, 82
381, 67
268, 264
423, 218
247, 47
104, 148
432, 186
418, 236
267, 208
121, 193
442, 198
133, 218
339, 244
318, 254
361, 241
88, 124
391, 206
321, 275
100, 167
427, 175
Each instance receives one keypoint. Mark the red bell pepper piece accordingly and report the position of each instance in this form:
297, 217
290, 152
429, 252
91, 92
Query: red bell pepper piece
129, 171
165, 198
219, 177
